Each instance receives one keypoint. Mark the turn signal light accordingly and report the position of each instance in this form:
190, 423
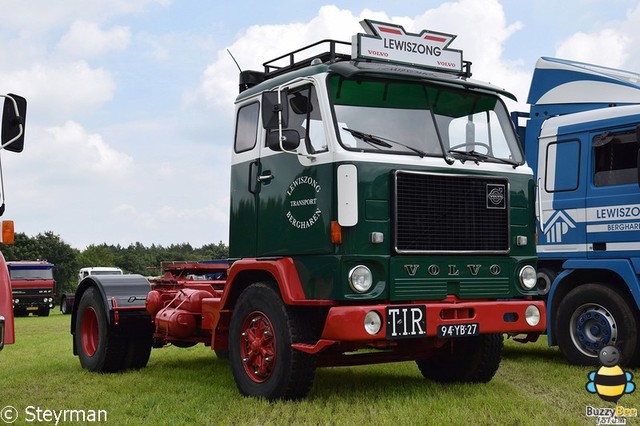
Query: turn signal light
336, 232
8, 233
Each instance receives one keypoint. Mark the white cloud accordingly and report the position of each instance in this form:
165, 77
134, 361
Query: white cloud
86, 39
43, 16
590, 47
466, 18
259, 43
615, 44
71, 150
55, 90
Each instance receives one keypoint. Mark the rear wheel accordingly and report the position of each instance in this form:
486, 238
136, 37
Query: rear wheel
64, 306
261, 333
470, 359
591, 317
99, 349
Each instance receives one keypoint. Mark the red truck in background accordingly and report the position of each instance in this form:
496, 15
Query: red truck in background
33, 287
14, 111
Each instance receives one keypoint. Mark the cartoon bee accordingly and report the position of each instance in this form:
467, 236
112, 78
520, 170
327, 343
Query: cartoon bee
610, 381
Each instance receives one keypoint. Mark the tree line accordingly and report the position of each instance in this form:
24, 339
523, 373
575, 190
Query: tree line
133, 259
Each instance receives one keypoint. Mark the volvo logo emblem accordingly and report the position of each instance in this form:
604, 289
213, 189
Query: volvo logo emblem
496, 196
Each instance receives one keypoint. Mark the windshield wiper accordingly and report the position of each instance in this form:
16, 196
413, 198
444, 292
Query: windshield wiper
368, 138
477, 156
380, 141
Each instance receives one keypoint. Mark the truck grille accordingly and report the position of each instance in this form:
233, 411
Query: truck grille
440, 213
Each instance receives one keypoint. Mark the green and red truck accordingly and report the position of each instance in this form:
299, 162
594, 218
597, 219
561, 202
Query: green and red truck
381, 210
14, 111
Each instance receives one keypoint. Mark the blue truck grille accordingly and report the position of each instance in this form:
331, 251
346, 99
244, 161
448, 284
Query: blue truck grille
440, 213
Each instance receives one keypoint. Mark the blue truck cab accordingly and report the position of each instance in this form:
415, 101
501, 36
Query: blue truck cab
582, 140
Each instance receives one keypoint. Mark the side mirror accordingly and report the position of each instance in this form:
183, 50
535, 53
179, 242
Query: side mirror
290, 140
272, 109
13, 121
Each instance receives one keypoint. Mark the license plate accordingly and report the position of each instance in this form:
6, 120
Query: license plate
32, 308
459, 330
404, 322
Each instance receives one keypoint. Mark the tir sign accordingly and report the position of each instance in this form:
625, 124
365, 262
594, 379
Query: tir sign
388, 42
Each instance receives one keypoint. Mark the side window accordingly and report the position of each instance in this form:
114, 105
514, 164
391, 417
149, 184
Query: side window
563, 166
305, 118
615, 158
247, 127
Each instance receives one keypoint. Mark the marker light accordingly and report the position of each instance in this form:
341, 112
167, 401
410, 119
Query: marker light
528, 277
360, 279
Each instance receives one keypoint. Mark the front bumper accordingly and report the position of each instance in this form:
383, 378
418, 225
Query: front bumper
346, 323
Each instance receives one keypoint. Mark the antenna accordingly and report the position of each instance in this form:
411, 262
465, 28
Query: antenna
243, 81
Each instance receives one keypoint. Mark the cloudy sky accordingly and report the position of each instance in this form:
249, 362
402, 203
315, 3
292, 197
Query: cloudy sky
130, 113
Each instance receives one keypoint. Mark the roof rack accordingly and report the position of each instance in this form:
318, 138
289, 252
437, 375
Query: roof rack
289, 61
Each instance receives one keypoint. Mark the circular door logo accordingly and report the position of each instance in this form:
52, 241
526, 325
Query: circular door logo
302, 202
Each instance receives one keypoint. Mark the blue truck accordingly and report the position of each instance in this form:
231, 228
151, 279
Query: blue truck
582, 140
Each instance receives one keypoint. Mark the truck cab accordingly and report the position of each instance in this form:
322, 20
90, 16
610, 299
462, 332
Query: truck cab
381, 210
582, 139
32, 286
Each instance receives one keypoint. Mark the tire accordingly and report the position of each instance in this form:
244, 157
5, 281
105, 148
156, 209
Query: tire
99, 349
261, 332
43, 312
468, 360
20, 312
64, 307
138, 352
591, 317
222, 353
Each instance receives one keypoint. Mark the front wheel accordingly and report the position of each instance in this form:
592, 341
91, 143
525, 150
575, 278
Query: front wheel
262, 360
591, 317
469, 360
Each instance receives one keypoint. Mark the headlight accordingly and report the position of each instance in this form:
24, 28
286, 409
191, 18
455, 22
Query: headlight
372, 322
532, 315
528, 277
360, 279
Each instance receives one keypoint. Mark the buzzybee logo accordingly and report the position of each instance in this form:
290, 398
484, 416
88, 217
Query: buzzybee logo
610, 382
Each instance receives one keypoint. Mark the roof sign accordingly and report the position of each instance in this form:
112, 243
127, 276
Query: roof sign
389, 42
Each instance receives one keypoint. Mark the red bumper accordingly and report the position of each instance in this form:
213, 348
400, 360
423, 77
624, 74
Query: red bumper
346, 323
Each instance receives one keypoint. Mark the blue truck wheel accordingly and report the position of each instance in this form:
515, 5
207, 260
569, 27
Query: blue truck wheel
593, 316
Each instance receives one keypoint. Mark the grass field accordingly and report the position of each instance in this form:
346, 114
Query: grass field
191, 386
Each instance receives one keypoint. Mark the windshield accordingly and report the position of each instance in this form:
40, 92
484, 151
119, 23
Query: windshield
118, 272
415, 118
31, 274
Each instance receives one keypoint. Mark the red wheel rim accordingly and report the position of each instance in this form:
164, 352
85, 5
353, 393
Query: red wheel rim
258, 347
90, 334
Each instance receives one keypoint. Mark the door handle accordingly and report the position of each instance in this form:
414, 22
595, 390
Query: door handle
265, 178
